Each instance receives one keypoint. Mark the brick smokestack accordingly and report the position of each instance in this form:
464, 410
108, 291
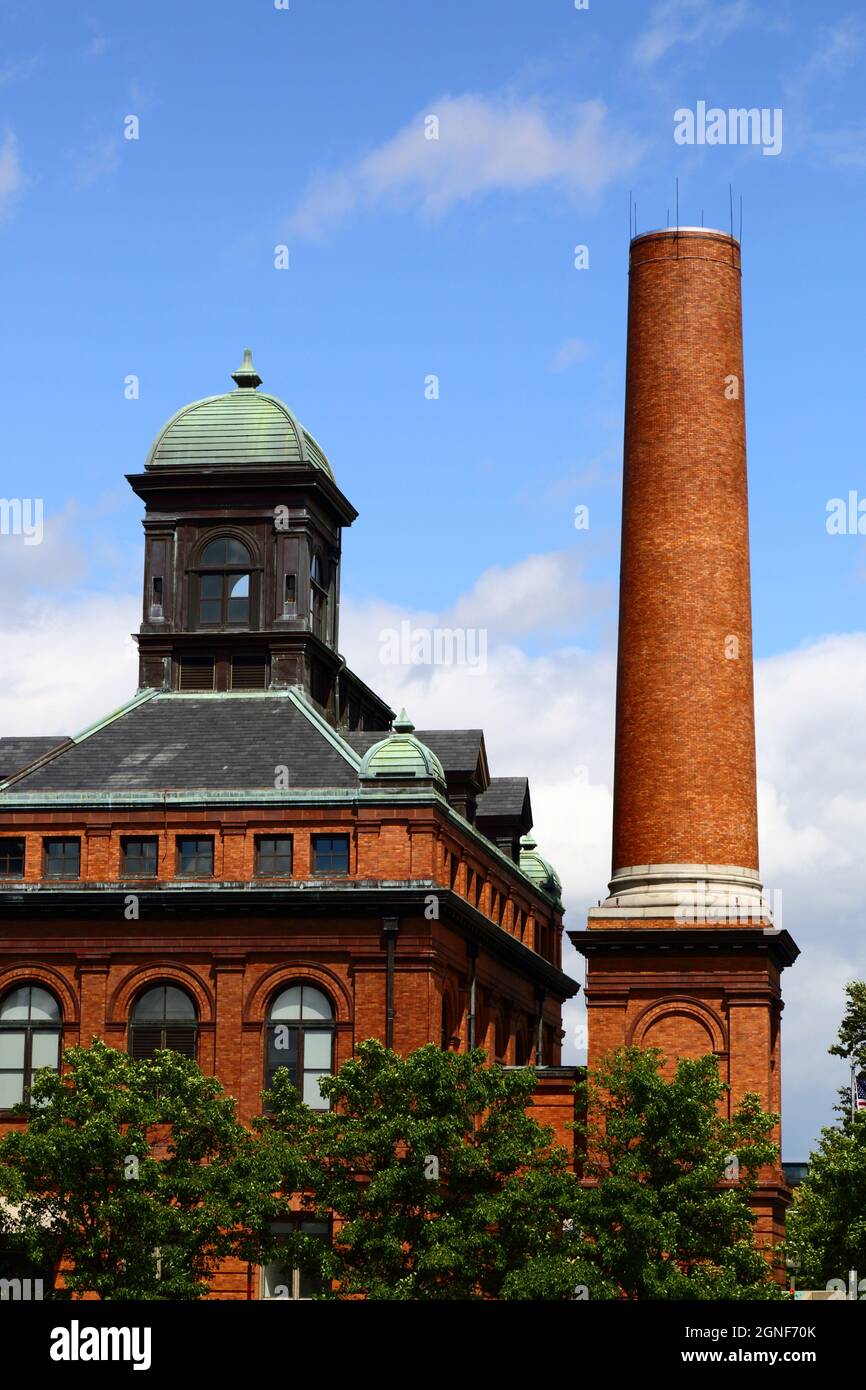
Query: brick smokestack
684, 785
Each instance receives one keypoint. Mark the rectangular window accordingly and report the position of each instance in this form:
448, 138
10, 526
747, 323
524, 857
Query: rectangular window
274, 856
330, 854
156, 598
195, 856
289, 598
280, 1280
11, 858
138, 858
62, 858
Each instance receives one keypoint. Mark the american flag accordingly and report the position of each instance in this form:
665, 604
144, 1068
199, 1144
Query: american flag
860, 1091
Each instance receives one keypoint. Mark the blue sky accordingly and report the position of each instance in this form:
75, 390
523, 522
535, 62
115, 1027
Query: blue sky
261, 127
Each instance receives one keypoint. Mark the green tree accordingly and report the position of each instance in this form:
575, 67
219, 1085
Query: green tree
442, 1185
851, 1039
663, 1221
826, 1226
137, 1176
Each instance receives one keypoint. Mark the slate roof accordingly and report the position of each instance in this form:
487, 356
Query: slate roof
180, 742
177, 743
458, 750
16, 753
359, 740
505, 797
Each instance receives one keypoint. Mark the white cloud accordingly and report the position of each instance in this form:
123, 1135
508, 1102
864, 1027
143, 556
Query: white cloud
66, 664
813, 88
25, 567
571, 351
673, 23
11, 174
17, 70
100, 158
483, 146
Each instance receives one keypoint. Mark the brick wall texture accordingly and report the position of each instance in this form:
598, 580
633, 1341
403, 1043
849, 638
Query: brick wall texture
684, 790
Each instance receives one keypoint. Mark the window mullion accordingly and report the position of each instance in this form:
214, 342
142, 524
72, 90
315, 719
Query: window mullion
27, 1078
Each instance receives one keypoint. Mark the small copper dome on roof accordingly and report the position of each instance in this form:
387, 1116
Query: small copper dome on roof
537, 868
401, 757
241, 427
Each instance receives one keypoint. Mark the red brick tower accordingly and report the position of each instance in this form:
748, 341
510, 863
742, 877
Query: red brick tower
683, 953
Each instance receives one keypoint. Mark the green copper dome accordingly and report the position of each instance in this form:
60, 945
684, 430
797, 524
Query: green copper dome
542, 873
240, 427
401, 757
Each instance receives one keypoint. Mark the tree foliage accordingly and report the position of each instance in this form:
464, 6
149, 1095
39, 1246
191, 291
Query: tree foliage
440, 1183
663, 1220
137, 1176
443, 1185
826, 1227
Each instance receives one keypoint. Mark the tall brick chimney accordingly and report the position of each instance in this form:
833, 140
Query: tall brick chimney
684, 788
683, 953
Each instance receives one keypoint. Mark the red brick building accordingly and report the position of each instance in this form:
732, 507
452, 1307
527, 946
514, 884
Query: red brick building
254, 839
683, 953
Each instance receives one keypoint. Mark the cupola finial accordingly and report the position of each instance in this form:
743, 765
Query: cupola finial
403, 724
246, 375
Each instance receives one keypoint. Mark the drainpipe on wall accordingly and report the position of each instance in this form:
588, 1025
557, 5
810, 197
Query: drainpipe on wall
473, 956
391, 927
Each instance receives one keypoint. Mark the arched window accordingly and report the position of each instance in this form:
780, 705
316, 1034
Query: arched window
163, 1018
29, 1040
301, 1038
224, 584
521, 1048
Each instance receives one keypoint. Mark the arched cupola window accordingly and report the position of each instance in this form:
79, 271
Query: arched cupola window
319, 597
224, 584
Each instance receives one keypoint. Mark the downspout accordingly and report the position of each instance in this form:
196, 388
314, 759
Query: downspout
391, 927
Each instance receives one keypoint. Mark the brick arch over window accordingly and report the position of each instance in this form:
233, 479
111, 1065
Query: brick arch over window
28, 973
681, 1026
299, 972
155, 973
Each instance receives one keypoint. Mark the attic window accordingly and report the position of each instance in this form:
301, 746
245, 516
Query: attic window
195, 856
62, 858
11, 858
